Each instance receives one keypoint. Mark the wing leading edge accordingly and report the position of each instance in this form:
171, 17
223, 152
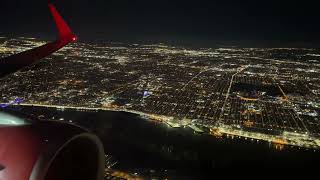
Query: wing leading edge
18, 61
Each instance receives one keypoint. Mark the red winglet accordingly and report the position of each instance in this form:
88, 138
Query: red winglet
63, 28
18, 61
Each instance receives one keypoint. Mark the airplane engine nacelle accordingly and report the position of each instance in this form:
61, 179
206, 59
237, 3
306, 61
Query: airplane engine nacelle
48, 150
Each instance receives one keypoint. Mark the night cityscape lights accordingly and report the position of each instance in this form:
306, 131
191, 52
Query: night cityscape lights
260, 94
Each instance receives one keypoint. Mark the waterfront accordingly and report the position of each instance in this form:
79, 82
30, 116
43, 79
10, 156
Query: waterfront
154, 149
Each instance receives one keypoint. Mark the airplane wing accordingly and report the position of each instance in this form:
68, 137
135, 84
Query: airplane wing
18, 61
46, 150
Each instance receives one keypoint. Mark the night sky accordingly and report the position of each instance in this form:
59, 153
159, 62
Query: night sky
203, 23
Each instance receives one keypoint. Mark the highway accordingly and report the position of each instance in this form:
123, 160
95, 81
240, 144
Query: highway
228, 92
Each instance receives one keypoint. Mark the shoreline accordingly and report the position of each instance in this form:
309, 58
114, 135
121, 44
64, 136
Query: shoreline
285, 139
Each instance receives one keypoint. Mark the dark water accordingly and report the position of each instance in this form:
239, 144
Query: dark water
154, 149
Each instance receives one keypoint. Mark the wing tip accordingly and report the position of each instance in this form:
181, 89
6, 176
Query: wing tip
63, 28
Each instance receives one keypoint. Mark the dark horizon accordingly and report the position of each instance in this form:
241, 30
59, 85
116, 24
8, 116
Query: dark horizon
198, 23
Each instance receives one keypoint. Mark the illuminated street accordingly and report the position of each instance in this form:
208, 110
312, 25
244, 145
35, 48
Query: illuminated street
253, 93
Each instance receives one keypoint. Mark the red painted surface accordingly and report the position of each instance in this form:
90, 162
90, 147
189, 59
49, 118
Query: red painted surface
18, 61
19, 150
20, 146
62, 26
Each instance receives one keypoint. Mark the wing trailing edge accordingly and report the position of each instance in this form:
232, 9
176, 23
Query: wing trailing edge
18, 61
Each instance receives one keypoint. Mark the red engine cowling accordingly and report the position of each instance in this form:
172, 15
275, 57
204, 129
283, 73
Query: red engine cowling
48, 150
